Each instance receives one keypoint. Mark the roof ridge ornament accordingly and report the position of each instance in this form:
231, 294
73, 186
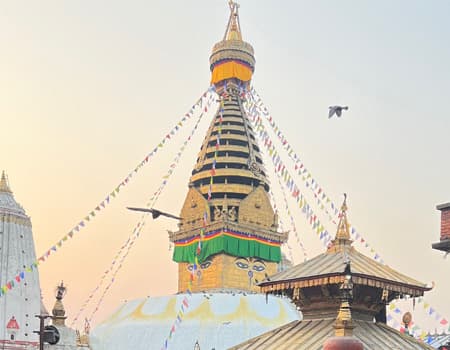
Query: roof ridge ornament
343, 231
342, 238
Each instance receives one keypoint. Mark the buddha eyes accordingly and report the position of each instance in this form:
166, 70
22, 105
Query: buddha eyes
241, 265
258, 268
204, 265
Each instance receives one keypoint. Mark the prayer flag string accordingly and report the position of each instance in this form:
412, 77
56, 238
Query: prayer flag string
102, 205
256, 108
291, 186
186, 302
137, 229
280, 221
394, 310
211, 182
291, 218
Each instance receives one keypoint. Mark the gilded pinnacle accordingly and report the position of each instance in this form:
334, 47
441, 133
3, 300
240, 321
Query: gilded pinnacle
233, 31
343, 231
344, 325
4, 186
342, 238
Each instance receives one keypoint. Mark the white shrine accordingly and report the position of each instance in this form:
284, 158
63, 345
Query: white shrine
20, 292
20, 296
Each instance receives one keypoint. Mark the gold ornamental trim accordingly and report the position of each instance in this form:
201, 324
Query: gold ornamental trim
225, 224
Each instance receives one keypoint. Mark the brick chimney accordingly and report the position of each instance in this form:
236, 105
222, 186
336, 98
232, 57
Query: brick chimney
444, 243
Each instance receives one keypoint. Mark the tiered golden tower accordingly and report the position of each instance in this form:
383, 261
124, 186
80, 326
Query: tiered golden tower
228, 237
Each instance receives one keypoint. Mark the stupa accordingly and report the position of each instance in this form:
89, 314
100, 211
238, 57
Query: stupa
229, 236
228, 239
69, 338
20, 298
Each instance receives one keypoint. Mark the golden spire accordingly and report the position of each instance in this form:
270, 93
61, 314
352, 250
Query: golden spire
342, 238
233, 31
343, 231
344, 325
59, 313
232, 58
4, 186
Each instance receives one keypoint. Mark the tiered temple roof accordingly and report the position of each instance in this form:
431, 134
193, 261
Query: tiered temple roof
315, 286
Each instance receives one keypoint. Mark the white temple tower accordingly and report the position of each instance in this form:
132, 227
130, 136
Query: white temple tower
20, 295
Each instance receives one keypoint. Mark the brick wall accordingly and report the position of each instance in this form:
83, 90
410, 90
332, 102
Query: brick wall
445, 223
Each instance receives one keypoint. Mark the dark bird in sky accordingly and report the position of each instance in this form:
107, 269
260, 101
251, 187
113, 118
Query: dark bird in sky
336, 110
155, 213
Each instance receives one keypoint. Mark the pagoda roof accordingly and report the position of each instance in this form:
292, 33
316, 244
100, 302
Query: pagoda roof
437, 340
340, 259
311, 334
364, 270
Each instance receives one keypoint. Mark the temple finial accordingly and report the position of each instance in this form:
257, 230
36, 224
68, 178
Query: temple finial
233, 31
59, 313
343, 231
4, 185
343, 327
344, 324
342, 238
232, 61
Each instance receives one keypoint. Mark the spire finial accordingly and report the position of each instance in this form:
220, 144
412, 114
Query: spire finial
343, 231
61, 291
59, 313
233, 31
342, 238
4, 185
344, 325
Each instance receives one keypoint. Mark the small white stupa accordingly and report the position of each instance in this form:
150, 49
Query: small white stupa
69, 339
20, 295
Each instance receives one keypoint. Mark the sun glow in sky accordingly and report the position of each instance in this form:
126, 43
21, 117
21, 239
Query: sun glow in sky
87, 89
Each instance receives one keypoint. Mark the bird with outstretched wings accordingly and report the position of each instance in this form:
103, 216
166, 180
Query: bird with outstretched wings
155, 212
336, 110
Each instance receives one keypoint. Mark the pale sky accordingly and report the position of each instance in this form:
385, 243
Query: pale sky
88, 88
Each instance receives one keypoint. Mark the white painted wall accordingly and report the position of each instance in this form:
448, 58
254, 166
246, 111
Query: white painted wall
16, 253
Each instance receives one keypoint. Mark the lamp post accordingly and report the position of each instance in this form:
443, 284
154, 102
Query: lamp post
47, 334
42, 318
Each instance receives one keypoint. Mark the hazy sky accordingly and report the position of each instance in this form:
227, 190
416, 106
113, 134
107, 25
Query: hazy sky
88, 88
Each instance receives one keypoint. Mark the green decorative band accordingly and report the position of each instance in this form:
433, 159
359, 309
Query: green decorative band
229, 242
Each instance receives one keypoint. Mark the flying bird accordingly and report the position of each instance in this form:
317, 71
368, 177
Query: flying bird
336, 110
155, 213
